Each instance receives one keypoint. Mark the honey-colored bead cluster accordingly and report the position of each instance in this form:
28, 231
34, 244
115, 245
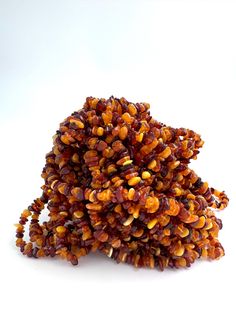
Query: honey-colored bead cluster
118, 181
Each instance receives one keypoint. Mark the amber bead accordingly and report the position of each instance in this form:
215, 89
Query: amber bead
146, 175
134, 181
123, 132
152, 204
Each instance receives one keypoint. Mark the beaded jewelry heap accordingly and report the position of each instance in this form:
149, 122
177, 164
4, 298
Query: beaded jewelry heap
118, 181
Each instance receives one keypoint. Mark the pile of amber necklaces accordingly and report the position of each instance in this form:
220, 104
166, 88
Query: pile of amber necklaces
118, 181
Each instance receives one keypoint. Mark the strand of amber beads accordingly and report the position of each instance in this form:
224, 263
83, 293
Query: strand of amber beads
118, 181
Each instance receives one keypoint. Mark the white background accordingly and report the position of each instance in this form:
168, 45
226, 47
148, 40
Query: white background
178, 55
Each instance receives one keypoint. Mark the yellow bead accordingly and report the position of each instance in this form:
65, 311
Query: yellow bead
209, 224
123, 132
78, 214
127, 162
92, 206
65, 139
60, 229
92, 197
177, 191
136, 212
104, 196
128, 221
152, 164
127, 118
146, 175
26, 213
165, 153
152, 223
107, 117
139, 137
181, 262
78, 123
134, 181
179, 251
131, 194
173, 164
132, 109
100, 131
200, 223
